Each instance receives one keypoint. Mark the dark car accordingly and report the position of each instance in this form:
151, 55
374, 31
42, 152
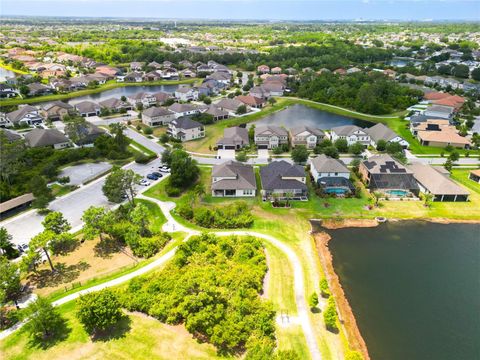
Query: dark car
152, 177
157, 174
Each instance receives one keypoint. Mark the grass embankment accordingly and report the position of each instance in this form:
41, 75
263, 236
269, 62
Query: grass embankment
10, 68
141, 337
109, 85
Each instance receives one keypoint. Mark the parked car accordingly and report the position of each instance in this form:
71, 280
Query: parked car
157, 174
164, 168
152, 177
22, 247
144, 182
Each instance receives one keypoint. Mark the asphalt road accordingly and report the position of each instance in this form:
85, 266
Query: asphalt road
26, 225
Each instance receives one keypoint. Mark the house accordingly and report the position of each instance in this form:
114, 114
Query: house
251, 101
263, 69
233, 179
440, 133
11, 136
230, 105
353, 70
475, 175
136, 66
154, 65
331, 175
7, 91
217, 113
46, 137
270, 136
432, 181
210, 87
146, 99
351, 133
133, 77
25, 115
185, 129
162, 97
439, 111
223, 77
170, 73
283, 180
181, 110
115, 105
37, 89
186, 93
56, 110
87, 134
152, 76
88, 108
156, 116
306, 136
187, 73
186, 64
234, 138
386, 175
273, 88
340, 71
381, 132
276, 70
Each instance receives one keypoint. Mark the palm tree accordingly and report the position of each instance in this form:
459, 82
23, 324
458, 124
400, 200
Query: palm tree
376, 196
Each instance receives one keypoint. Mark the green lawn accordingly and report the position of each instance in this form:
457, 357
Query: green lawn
461, 176
60, 190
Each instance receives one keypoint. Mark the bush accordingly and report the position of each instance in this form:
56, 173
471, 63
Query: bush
164, 138
148, 130
353, 355
98, 311
185, 211
232, 216
330, 316
143, 159
324, 290
146, 247
241, 156
313, 301
172, 191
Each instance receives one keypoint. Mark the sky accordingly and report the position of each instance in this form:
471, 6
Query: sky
422, 10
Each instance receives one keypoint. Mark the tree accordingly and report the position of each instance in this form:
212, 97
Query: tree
381, 145
448, 165
241, 156
10, 286
42, 242
45, 322
41, 192
184, 170
117, 129
5, 241
454, 156
24, 90
76, 129
461, 71
251, 133
98, 311
30, 260
313, 300
427, 198
356, 148
331, 151
120, 185
300, 154
94, 222
476, 74
56, 223
139, 217
242, 109
11, 155
341, 145
324, 290
167, 157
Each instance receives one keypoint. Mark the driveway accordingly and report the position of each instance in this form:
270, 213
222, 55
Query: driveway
226, 154
263, 154
142, 140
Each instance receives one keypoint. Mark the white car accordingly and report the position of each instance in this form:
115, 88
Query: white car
144, 182
164, 169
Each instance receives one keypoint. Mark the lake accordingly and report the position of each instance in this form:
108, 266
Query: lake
124, 91
301, 115
4, 73
414, 288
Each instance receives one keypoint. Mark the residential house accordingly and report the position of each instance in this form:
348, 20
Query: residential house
263, 69
133, 77
185, 129
115, 105
276, 70
136, 66
382, 132
217, 113
280, 179
152, 76
439, 111
7, 91
234, 138
440, 133
154, 65
340, 71
331, 175
233, 179
146, 99
431, 181
353, 70
87, 108
170, 73
37, 89
251, 101
156, 116
181, 110
56, 110
474, 175
11, 136
186, 93
230, 105
386, 175
47, 138
351, 133
187, 73
162, 97
270, 136
210, 87
87, 133
223, 77
306, 136
25, 115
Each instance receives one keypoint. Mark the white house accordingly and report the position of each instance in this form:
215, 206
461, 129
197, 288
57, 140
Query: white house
381, 132
185, 129
233, 179
324, 166
186, 93
351, 133
269, 136
156, 116
181, 110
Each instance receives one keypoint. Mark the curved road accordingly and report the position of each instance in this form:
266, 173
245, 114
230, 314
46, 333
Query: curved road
173, 225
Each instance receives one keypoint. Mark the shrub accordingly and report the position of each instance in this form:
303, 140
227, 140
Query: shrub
45, 321
185, 211
313, 300
143, 159
98, 311
148, 130
146, 247
164, 138
353, 355
231, 216
172, 191
330, 316
241, 156
324, 290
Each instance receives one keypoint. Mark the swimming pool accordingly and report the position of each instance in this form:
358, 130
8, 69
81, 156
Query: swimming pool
335, 190
397, 193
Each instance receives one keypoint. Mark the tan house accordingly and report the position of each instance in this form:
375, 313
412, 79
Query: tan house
306, 136
156, 116
440, 133
475, 175
56, 110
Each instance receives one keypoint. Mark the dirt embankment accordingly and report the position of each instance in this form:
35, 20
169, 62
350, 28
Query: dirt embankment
352, 331
338, 224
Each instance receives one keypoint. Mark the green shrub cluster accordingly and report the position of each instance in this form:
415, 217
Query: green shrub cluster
330, 315
324, 290
212, 286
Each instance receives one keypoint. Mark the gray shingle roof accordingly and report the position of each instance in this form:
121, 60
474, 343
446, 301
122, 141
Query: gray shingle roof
243, 173
270, 130
157, 111
87, 107
185, 123
324, 164
273, 174
381, 132
45, 137
345, 130
299, 129
434, 181
17, 115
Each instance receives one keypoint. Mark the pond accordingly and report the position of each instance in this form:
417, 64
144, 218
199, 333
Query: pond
301, 115
4, 73
124, 91
414, 288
